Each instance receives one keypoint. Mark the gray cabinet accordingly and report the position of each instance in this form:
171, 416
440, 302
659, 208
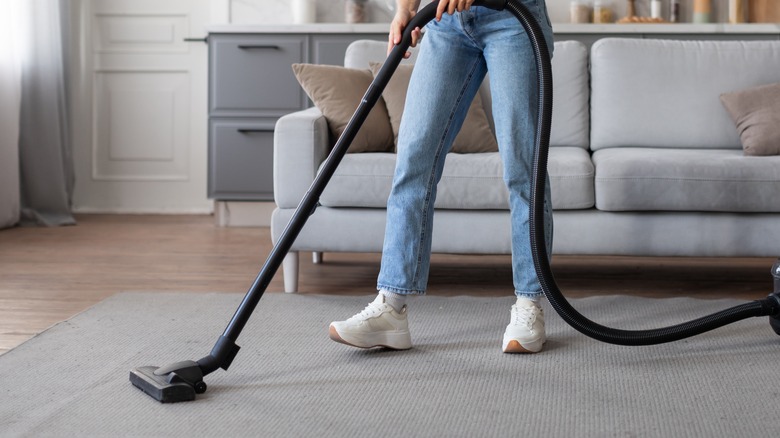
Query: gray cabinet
251, 76
251, 85
241, 159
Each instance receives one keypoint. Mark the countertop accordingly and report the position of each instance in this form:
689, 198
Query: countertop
558, 28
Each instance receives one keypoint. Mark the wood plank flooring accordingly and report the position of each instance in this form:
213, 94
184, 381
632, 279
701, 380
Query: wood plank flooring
48, 275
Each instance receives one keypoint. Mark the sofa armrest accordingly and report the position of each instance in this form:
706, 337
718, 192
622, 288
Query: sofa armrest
301, 144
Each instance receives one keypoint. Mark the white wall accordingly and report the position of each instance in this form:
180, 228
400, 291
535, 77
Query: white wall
332, 11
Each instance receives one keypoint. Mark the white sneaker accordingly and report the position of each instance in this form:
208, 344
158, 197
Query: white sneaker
378, 325
525, 332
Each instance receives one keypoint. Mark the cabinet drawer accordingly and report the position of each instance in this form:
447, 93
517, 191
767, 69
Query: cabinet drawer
252, 75
241, 160
330, 49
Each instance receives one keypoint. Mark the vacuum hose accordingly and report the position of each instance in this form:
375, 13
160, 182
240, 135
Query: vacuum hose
767, 307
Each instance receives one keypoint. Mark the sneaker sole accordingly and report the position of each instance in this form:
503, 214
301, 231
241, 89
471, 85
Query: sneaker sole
334, 335
514, 347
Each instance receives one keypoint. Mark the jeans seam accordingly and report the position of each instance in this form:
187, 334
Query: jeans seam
466, 31
439, 148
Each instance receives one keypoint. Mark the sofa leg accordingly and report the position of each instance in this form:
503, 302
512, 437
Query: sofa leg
316, 257
290, 269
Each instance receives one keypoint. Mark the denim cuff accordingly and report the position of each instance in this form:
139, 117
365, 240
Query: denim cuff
398, 291
533, 296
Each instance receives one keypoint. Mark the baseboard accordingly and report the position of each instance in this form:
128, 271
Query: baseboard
142, 211
243, 214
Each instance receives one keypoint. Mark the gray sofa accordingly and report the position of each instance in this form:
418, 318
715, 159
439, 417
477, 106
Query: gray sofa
644, 161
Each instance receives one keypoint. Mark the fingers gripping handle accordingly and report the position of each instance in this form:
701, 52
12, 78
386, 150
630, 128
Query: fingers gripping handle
427, 14
420, 19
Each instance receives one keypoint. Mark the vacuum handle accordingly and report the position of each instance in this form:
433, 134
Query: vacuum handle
498, 5
425, 15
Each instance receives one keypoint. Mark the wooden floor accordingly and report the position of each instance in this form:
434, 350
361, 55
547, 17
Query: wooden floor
50, 274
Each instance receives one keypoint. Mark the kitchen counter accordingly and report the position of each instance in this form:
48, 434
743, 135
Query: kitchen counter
559, 28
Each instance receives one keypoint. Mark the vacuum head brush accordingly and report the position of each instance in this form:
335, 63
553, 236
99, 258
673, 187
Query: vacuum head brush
170, 384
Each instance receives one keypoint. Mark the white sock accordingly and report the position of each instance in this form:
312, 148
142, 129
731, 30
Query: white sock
396, 301
536, 299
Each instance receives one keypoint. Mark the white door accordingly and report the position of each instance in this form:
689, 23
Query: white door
140, 110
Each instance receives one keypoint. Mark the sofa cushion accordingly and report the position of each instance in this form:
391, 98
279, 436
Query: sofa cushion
472, 181
571, 173
636, 179
475, 134
756, 113
571, 95
337, 92
663, 93
571, 116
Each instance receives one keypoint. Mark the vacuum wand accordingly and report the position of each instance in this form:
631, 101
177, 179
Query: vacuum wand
181, 381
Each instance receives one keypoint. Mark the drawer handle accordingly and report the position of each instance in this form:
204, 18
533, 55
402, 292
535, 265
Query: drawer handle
259, 47
250, 130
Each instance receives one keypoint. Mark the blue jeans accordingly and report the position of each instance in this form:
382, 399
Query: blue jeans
455, 55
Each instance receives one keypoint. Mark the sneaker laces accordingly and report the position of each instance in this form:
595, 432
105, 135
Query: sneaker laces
372, 309
525, 316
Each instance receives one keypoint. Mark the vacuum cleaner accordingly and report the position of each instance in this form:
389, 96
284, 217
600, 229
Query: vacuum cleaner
181, 381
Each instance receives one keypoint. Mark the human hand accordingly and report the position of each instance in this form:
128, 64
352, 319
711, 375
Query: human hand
402, 18
450, 6
408, 9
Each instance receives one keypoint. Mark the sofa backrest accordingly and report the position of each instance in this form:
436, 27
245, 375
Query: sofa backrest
660, 93
571, 119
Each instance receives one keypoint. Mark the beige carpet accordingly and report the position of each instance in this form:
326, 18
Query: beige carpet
289, 379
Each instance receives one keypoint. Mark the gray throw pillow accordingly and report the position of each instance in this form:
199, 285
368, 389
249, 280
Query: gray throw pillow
756, 112
337, 92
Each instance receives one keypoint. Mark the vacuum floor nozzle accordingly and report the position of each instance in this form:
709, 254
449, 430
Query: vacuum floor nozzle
158, 386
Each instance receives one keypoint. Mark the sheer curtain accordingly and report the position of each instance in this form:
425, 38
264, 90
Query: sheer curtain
10, 96
46, 163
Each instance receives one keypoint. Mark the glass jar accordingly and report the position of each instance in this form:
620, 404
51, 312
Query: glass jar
674, 12
602, 12
656, 9
702, 10
356, 11
631, 8
579, 12
737, 11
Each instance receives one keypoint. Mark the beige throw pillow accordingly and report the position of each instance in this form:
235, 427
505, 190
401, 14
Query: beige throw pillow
475, 135
756, 112
337, 92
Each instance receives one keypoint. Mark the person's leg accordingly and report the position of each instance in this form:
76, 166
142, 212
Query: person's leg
513, 79
448, 73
